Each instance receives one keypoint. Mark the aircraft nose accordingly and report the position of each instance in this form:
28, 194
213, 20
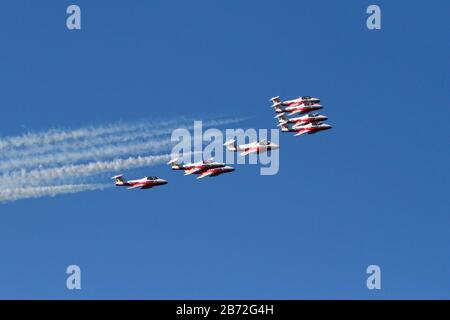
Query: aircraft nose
164, 181
274, 146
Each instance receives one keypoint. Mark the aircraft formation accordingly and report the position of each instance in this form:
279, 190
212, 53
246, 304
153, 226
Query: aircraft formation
204, 168
306, 123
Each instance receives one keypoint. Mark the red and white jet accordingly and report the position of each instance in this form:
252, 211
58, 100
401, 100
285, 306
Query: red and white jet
144, 183
257, 146
310, 128
204, 168
299, 105
297, 109
310, 117
293, 103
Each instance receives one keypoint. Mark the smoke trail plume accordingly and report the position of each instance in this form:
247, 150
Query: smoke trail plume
95, 149
51, 162
13, 194
43, 176
88, 154
57, 135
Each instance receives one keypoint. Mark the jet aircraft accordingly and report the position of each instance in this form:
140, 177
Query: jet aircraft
144, 183
204, 168
256, 146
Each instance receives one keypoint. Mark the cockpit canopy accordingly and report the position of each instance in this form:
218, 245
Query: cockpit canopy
152, 178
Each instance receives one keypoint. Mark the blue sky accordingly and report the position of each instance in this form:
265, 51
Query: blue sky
373, 190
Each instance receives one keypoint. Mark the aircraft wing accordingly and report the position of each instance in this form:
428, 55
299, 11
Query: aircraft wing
205, 174
300, 133
136, 186
248, 151
296, 111
191, 171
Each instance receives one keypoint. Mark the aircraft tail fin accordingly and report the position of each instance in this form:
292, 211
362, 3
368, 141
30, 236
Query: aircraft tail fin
174, 163
276, 101
282, 120
231, 145
278, 110
284, 128
118, 180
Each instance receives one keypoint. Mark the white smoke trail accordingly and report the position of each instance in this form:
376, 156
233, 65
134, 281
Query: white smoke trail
99, 148
95, 152
67, 146
13, 194
57, 135
88, 154
63, 147
43, 176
